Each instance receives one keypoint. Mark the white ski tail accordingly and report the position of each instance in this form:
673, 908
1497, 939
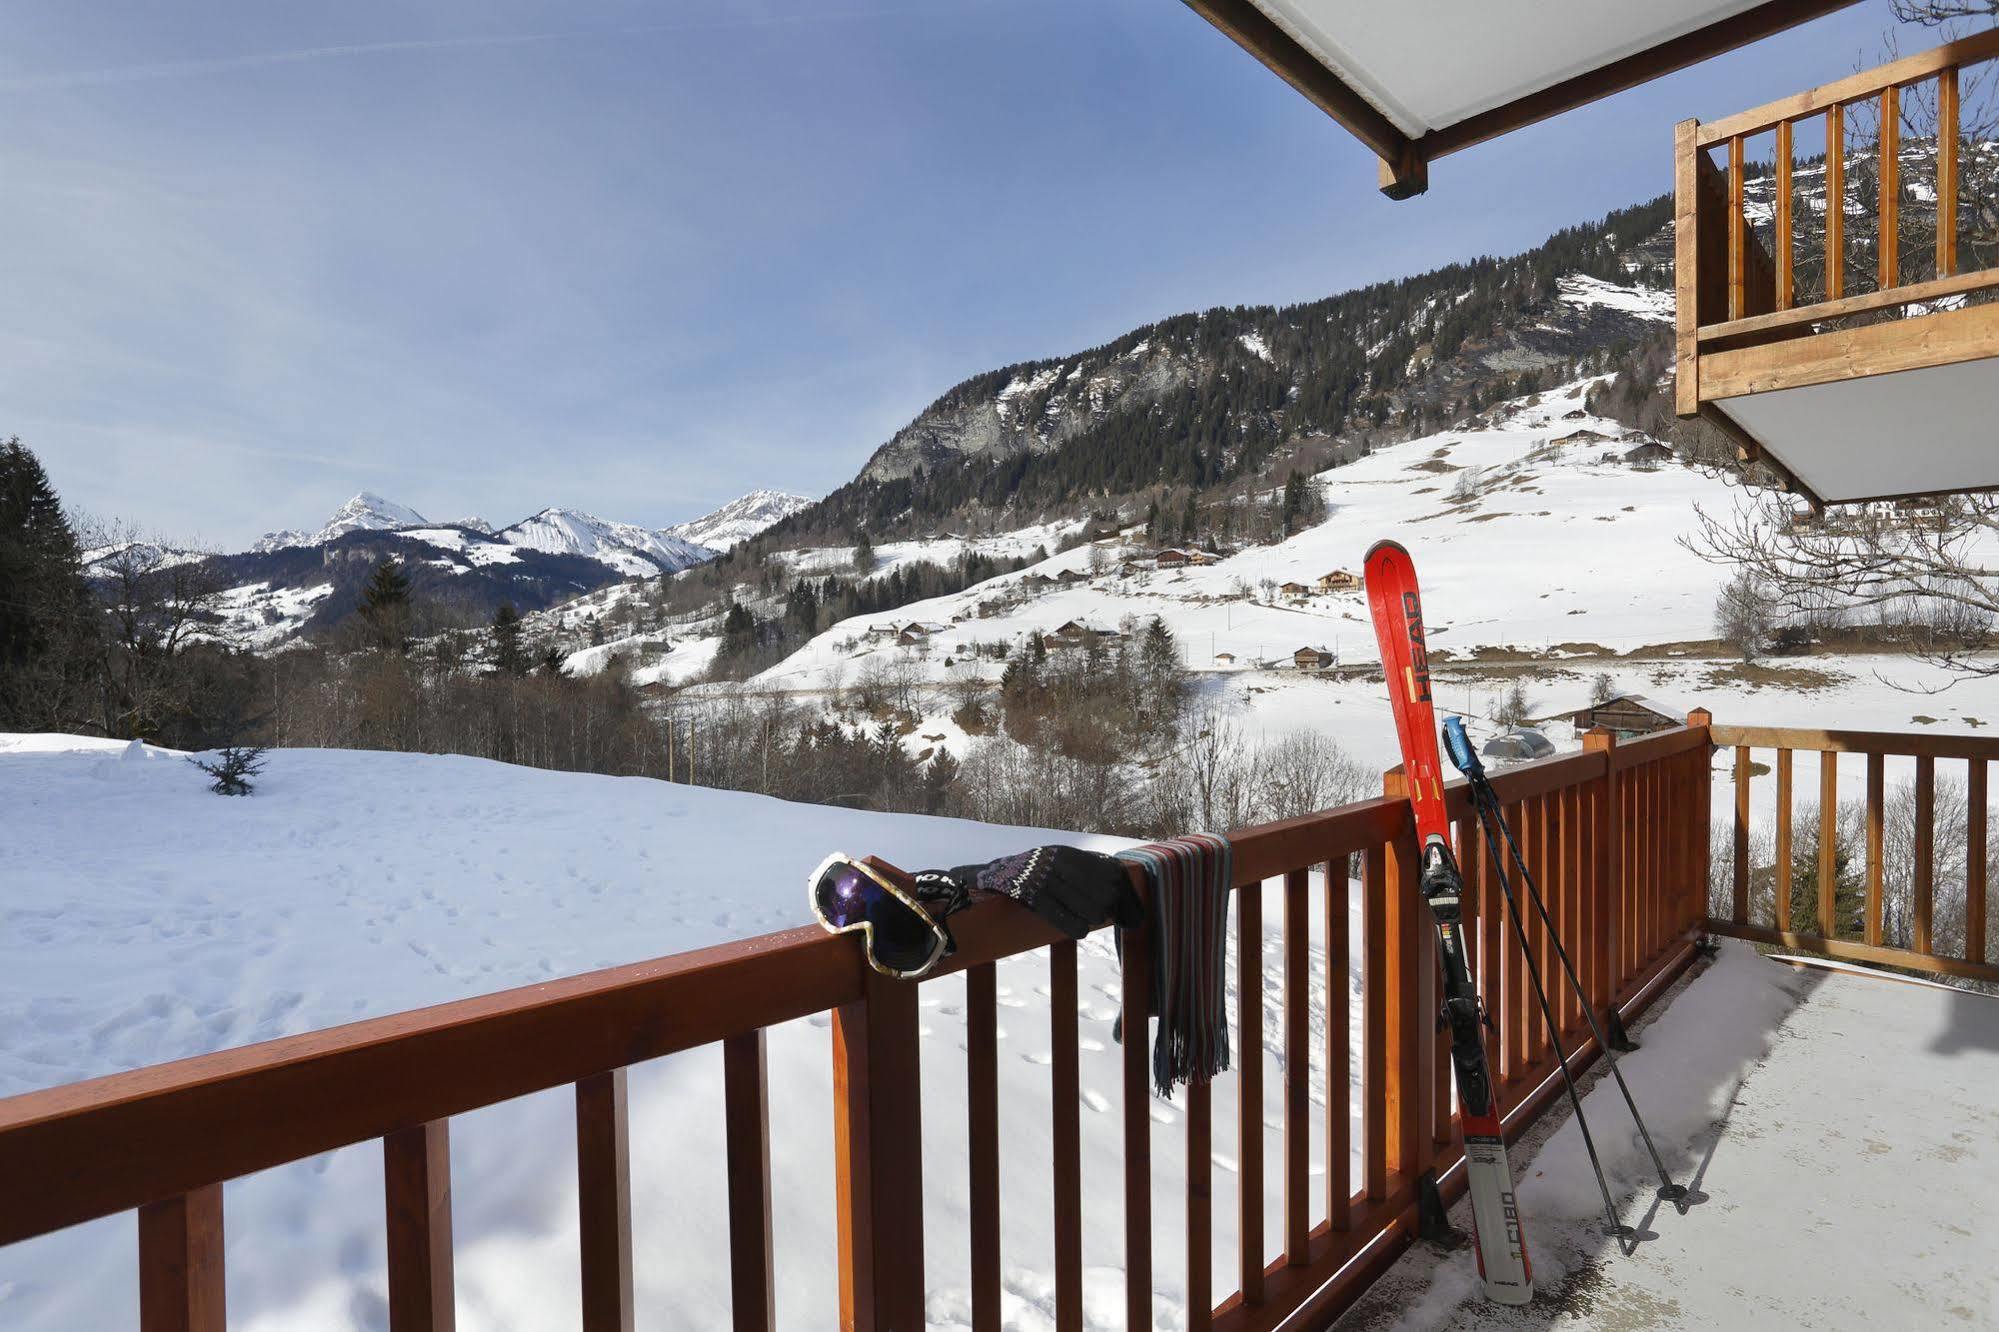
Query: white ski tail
1502, 1256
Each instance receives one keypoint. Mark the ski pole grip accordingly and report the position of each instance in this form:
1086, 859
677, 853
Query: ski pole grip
1458, 745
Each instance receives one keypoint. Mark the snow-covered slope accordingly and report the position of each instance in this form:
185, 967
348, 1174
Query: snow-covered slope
1557, 540
739, 519
633, 550
366, 512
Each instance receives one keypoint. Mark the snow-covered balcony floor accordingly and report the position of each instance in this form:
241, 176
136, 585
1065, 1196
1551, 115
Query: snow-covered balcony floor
1844, 1127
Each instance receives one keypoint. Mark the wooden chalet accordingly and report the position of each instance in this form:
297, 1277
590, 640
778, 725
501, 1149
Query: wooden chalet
1629, 715
1295, 589
1339, 580
1311, 659
1167, 559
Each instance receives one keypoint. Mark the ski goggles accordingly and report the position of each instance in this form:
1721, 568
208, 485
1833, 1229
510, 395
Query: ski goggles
904, 940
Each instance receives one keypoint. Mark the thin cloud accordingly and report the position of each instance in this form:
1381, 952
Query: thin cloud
194, 69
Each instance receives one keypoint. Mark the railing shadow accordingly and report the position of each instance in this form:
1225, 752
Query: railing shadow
1699, 1048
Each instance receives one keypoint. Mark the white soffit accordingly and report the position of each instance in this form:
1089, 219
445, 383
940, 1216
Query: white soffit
1910, 433
1426, 64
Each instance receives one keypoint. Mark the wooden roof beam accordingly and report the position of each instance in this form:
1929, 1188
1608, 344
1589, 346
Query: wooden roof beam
1403, 171
1405, 161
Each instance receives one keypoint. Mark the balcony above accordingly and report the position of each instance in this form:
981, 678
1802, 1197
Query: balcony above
1855, 369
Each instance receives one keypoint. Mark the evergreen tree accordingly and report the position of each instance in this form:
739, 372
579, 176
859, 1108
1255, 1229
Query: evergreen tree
385, 606
864, 555
48, 623
508, 653
938, 778
739, 631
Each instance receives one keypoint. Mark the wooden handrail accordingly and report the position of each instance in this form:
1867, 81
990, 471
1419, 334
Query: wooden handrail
113, 1143
1911, 744
1915, 293
1867, 83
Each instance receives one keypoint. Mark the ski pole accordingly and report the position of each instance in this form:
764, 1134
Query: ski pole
1625, 1236
1458, 745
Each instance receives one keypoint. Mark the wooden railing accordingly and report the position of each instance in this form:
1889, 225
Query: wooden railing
1849, 901
1617, 835
1740, 327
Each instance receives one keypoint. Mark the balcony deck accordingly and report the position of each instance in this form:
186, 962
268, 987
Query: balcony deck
1848, 1152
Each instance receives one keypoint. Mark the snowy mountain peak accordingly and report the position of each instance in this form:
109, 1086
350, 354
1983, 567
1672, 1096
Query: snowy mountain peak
740, 519
366, 512
632, 550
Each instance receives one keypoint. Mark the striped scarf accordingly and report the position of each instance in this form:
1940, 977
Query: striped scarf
1190, 877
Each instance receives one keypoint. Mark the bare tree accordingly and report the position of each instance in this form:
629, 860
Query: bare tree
159, 602
1742, 617
1927, 575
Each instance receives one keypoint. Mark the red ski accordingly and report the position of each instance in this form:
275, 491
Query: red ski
1397, 607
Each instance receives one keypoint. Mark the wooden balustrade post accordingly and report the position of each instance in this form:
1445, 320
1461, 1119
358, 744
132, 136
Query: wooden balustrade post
746, 1112
416, 1164
1686, 263
1408, 1093
1923, 892
604, 1201
878, 1158
1701, 835
1600, 895
1974, 871
180, 1263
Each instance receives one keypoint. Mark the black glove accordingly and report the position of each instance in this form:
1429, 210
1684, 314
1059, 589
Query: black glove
1074, 890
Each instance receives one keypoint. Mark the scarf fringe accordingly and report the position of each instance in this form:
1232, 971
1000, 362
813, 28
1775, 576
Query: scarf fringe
1190, 877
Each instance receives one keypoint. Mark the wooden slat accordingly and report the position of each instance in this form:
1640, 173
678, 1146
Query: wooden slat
1835, 206
1853, 87
1738, 235
1339, 1049
1943, 337
1923, 890
1781, 236
1888, 235
1297, 1065
1374, 1016
181, 1285
1136, 1000
1407, 1092
982, 1127
1686, 268
746, 1112
1875, 765
1522, 819
1066, 1135
1517, 1015
604, 1201
1947, 181
1248, 1061
1848, 950
1828, 842
416, 1168
1602, 897
1914, 293
878, 1157
1200, 1207
1975, 862
1781, 883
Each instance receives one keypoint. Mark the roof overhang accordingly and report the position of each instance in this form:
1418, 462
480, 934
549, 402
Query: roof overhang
1414, 81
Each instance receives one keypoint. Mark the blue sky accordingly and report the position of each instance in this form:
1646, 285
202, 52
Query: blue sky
640, 258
